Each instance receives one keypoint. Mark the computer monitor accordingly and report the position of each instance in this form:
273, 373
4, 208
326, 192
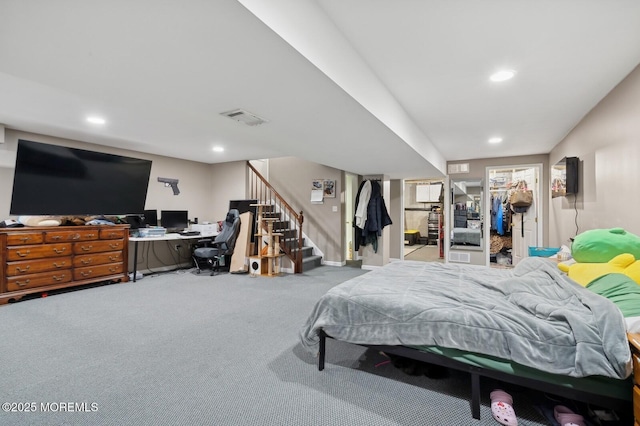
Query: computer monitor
174, 220
246, 206
151, 217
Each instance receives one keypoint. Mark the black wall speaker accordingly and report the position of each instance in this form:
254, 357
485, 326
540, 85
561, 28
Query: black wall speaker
572, 174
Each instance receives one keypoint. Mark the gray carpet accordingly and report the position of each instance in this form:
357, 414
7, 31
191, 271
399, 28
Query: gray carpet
423, 253
186, 349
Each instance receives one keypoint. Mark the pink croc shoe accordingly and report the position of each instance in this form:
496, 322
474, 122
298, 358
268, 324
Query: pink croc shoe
502, 409
566, 417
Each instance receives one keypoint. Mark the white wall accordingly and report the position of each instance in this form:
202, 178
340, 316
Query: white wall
292, 178
607, 141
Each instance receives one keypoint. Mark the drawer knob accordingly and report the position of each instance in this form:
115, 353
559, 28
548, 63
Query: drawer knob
56, 237
59, 265
58, 278
91, 235
75, 237
23, 254
113, 246
59, 251
86, 248
23, 283
25, 239
19, 269
86, 261
86, 274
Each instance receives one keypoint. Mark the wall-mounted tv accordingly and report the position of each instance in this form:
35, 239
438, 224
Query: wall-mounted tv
564, 177
58, 180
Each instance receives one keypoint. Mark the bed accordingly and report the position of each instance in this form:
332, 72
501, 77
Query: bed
507, 324
466, 236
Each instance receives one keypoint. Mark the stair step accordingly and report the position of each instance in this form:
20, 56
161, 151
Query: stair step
311, 262
307, 252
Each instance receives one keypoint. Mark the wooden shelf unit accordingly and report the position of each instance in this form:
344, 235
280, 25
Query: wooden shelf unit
265, 235
41, 259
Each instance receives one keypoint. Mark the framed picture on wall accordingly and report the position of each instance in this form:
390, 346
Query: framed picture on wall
329, 188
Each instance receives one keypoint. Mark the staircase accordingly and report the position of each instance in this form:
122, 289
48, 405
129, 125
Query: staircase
287, 222
289, 239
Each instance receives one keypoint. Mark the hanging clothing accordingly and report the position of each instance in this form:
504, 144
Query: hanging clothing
496, 202
376, 219
500, 220
362, 201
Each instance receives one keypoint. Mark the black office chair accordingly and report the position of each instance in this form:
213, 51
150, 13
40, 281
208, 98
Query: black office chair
214, 251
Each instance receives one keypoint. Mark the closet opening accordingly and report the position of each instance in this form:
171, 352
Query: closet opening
512, 230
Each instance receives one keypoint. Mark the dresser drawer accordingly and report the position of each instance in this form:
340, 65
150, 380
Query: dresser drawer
111, 233
33, 266
38, 251
636, 403
97, 271
23, 238
636, 368
97, 246
70, 236
38, 280
97, 259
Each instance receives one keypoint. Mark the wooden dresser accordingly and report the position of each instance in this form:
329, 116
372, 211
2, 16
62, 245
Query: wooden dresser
40, 259
634, 341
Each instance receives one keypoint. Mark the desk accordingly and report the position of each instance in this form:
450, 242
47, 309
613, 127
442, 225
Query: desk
165, 237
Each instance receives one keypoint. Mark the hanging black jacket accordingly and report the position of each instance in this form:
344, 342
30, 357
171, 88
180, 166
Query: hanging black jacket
377, 218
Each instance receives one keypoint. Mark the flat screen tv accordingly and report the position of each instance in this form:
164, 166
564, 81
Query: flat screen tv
564, 177
61, 181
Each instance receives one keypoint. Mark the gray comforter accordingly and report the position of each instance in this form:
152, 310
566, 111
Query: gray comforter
532, 314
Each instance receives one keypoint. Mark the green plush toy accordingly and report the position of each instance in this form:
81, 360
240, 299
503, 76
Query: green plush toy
602, 245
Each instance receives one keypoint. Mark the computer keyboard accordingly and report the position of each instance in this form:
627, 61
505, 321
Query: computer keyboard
189, 233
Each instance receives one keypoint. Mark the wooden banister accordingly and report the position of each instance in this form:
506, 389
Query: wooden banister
291, 221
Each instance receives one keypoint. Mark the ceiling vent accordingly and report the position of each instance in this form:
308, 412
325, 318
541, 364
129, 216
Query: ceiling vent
244, 117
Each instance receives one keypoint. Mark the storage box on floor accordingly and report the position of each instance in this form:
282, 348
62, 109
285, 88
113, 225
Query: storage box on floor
543, 251
411, 236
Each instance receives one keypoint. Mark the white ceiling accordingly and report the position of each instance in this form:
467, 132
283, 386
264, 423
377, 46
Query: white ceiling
366, 86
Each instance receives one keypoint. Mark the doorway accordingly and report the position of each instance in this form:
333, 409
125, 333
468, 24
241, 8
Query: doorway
423, 219
350, 191
511, 233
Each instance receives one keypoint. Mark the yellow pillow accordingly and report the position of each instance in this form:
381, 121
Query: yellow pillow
584, 273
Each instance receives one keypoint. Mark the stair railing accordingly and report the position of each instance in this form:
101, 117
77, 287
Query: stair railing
291, 243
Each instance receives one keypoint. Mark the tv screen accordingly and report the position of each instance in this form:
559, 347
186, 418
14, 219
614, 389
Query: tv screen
58, 180
174, 220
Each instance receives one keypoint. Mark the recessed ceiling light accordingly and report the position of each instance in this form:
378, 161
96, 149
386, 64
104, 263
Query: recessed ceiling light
502, 75
218, 149
96, 120
495, 140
